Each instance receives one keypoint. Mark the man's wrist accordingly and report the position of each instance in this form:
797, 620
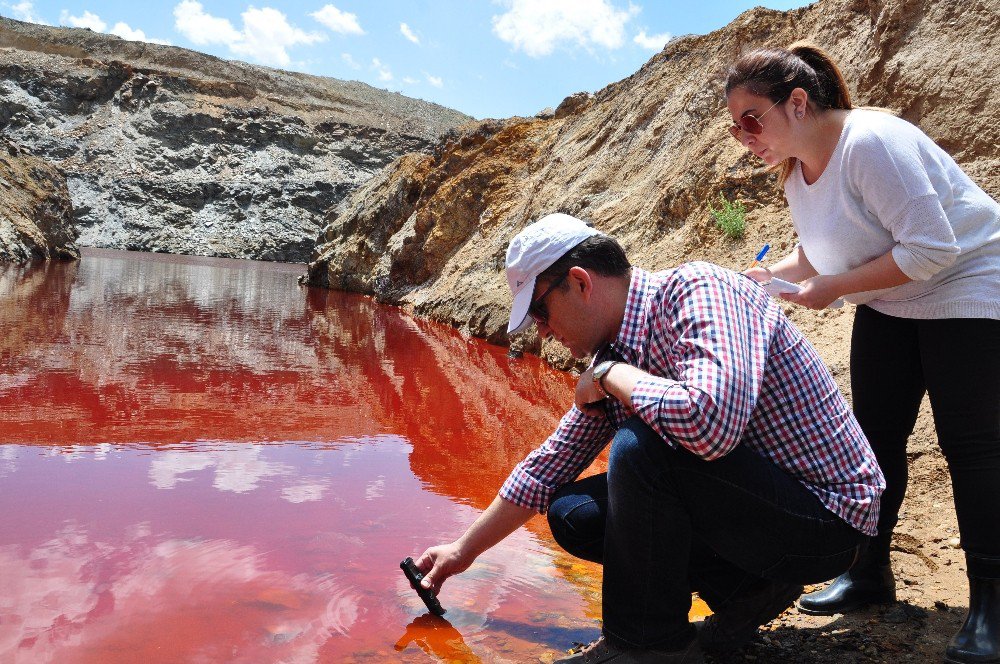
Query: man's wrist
600, 372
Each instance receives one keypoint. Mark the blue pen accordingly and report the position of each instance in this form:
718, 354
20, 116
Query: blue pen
760, 256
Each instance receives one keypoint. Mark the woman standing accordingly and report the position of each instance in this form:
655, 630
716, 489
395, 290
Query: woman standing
887, 220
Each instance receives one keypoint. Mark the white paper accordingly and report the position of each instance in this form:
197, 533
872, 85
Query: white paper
776, 286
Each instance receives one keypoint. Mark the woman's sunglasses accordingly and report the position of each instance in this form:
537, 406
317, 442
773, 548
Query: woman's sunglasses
750, 123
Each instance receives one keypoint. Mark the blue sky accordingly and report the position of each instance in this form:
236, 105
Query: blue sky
486, 58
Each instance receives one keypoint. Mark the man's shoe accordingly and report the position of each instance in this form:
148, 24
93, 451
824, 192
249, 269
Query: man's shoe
601, 651
735, 622
978, 642
864, 584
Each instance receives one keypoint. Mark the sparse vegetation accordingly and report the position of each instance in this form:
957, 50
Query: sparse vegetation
730, 217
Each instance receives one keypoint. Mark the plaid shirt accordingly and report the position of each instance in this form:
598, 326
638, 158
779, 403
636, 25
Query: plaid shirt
726, 367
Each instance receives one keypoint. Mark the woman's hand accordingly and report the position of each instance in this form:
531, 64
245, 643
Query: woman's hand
759, 274
589, 397
817, 293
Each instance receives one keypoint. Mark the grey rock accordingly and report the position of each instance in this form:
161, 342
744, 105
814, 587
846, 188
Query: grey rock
166, 149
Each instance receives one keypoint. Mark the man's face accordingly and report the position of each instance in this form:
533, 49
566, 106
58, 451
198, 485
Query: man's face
565, 312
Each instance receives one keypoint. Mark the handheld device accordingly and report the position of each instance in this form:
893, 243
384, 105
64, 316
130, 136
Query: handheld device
414, 576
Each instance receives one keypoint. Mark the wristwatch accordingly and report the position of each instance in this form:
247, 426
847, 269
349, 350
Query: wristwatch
600, 371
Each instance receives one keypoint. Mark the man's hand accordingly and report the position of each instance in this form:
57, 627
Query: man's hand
438, 563
817, 292
589, 398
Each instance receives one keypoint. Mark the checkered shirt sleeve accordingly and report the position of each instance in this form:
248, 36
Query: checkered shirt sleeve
573, 446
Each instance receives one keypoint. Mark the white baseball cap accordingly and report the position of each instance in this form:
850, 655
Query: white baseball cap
532, 251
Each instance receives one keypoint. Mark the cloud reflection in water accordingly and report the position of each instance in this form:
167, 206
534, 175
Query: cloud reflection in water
238, 468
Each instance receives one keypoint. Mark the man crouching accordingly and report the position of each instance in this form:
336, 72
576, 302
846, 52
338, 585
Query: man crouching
736, 467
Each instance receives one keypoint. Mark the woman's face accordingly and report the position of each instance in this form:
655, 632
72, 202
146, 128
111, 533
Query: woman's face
771, 144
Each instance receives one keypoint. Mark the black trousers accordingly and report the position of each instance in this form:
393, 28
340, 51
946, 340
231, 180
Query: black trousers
956, 361
664, 522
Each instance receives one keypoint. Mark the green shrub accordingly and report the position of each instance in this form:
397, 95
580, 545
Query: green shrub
730, 217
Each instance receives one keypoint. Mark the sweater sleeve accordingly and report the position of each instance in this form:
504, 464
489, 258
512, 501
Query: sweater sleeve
896, 183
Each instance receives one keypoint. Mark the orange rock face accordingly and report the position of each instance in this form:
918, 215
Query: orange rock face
36, 220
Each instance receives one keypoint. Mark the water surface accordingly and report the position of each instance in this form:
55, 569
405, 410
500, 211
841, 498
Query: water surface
201, 461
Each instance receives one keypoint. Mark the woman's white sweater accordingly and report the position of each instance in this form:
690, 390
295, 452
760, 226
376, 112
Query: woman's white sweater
888, 187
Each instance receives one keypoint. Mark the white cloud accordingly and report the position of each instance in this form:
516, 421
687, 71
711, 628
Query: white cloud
201, 28
651, 42
244, 468
436, 81
94, 22
338, 21
306, 492
125, 31
265, 36
384, 73
349, 59
409, 80
375, 488
166, 469
237, 470
25, 11
538, 27
88, 20
405, 29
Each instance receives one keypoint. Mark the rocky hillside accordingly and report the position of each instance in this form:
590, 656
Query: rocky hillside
166, 149
36, 216
644, 157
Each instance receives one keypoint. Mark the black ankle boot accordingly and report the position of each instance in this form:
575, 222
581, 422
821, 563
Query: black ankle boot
978, 642
870, 581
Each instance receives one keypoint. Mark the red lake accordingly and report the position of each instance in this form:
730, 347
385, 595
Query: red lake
201, 461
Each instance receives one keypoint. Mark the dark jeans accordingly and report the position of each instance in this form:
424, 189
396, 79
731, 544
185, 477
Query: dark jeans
894, 361
665, 522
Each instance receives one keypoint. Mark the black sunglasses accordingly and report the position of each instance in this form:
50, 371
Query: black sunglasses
750, 123
537, 309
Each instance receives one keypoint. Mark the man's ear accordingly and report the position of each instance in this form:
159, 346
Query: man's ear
581, 281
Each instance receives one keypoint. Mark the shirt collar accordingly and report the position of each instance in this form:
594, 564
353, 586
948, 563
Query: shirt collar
628, 343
